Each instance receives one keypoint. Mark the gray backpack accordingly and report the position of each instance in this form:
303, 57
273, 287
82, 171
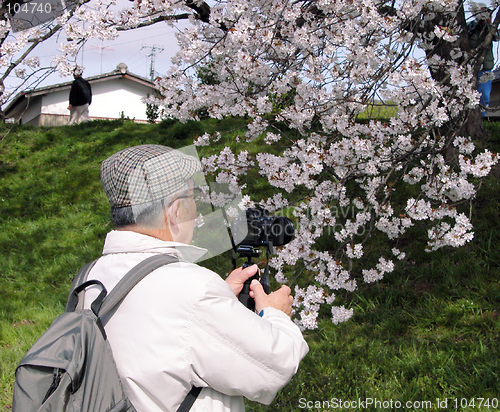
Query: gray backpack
71, 368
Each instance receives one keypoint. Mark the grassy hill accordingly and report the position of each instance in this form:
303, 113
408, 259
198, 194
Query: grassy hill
429, 332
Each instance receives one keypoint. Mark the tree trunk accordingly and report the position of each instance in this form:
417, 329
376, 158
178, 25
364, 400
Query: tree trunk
473, 126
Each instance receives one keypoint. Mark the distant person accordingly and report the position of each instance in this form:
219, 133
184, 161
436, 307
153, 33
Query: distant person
478, 30
80, 98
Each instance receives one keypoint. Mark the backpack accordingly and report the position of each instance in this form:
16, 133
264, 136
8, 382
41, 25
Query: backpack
71, 367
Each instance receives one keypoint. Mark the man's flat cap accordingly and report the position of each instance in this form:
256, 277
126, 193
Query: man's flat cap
146, 173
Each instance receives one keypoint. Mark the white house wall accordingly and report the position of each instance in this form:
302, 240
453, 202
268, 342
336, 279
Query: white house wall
109, 99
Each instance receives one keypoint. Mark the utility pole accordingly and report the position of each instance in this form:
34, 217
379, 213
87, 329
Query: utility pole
152, 56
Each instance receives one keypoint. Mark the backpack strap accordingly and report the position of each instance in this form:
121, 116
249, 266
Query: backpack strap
188, 401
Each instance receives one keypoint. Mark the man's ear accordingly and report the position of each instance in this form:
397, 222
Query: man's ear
172, 217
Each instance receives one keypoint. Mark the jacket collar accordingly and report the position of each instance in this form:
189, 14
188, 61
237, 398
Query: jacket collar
121, 241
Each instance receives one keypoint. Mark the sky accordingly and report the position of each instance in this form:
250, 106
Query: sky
133, 48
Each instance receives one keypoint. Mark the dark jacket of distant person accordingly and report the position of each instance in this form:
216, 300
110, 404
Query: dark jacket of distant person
80, 93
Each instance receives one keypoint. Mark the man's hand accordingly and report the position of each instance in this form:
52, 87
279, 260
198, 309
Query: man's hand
280, 299
237, 278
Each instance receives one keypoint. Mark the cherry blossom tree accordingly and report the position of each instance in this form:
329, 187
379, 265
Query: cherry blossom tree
306, 73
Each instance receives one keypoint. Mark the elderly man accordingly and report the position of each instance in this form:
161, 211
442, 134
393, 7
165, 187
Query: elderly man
182, 326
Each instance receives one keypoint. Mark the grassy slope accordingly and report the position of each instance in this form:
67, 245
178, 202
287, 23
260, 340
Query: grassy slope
430, 330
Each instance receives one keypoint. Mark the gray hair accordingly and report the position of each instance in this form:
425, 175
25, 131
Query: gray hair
149, 215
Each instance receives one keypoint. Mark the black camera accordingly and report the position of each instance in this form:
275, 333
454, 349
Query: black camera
255, 228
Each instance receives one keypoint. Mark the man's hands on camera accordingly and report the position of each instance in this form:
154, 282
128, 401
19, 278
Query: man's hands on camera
280, 299
237, 277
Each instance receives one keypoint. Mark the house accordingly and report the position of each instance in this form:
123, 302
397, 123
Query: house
114, 95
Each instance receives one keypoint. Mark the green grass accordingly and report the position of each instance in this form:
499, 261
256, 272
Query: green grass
379, 111
428, 331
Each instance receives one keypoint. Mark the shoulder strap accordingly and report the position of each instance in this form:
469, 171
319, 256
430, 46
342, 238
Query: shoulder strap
132, 278
189, 399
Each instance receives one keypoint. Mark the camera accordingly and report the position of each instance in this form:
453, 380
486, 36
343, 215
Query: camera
255, 228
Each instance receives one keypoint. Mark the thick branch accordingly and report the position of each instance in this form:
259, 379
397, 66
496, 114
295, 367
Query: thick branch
202, 9
158, 19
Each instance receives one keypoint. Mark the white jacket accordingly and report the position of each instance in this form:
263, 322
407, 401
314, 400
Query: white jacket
183, 326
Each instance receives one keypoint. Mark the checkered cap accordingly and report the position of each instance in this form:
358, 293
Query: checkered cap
145, 173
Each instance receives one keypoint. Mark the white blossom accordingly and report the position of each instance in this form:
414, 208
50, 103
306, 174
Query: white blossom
341, 314
354, 252
203, 140
399, 255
